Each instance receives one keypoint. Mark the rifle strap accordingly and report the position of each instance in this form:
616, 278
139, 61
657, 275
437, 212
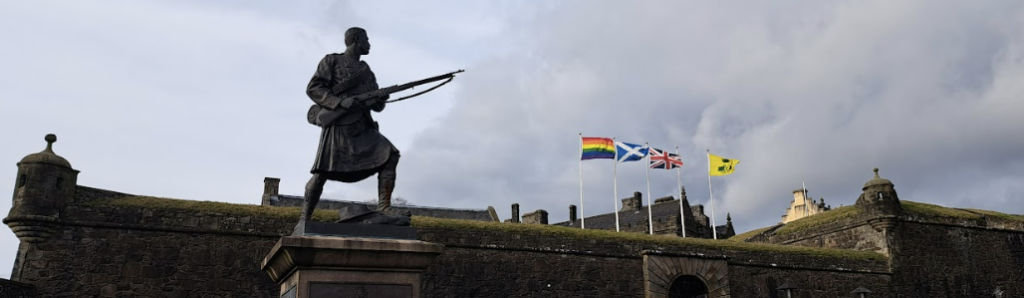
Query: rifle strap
352, 80
421, 92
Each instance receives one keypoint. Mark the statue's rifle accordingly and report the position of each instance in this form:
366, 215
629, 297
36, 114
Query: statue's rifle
319, 116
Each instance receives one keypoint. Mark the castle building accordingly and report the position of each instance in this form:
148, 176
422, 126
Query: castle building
81, 241
665, 211
803, 206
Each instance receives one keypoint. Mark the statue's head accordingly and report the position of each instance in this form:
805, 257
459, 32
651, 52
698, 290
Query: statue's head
356, 41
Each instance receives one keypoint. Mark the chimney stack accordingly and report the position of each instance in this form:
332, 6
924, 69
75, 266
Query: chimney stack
572, 213
270, 189
537, 217
515, 212
633, 203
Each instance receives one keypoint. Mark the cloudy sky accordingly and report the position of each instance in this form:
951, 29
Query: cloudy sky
201, 101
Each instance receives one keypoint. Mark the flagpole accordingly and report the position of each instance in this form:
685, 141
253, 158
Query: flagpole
615, 178
650, 220
581, 182
714, 230
803, 185
679, 184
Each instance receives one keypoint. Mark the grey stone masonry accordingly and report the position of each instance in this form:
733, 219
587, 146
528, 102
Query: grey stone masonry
536, 217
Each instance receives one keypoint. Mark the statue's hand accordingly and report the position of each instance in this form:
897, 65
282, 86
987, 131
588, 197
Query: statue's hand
348, 103
381, 95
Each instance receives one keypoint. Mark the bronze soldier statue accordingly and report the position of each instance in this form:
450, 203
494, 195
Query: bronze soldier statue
351, 148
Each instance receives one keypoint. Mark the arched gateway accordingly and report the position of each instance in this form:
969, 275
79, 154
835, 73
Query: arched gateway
671, 275
687, 286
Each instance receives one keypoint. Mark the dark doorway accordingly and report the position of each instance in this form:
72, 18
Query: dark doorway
687, 286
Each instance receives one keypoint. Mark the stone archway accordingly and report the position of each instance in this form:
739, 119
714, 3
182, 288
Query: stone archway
687, 286
663, 270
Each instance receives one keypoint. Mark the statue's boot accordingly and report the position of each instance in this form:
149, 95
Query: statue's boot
385, 186
314, 188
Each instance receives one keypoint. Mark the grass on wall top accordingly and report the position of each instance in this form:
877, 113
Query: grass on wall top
819, 219
909, 207
231, 209
746, 235
212, 207
932, 210
661, 240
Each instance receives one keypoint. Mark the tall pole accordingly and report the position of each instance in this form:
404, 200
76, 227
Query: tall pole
714, 229
650, 220
581, 183
615, 178
679, 184
807, 211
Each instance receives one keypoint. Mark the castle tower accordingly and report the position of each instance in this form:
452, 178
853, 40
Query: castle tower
879, 197
802, 206
45, 184
879, 200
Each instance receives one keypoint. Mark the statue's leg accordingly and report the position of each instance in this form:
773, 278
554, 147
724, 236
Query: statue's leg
386, 183
314, 188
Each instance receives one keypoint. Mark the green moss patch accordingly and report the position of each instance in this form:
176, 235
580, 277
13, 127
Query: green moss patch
155, 203
654, 240
744, 236
930, 210
990, 213
819, 219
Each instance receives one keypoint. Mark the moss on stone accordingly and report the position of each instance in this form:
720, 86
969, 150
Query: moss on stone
990, 213
818, 220
744, 236
931, 210
663, 240
207, 207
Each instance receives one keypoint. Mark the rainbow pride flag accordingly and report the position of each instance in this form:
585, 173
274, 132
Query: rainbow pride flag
596, 148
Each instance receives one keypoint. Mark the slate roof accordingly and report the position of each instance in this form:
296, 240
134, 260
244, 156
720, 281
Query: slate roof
667, 208
327, 204
607, 221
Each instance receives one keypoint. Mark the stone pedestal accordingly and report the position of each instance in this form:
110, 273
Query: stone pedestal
318, 266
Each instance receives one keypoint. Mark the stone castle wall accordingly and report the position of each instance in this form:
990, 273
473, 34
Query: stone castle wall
941, 260
10, 289
519, 264
105, 250
852, 233
933, 256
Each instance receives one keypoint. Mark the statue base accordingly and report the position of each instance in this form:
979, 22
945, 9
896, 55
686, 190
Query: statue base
319, 266
316, 228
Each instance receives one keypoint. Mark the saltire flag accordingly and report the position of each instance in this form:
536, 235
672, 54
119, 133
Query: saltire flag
664, 160
597, 148
721, 166
630, 152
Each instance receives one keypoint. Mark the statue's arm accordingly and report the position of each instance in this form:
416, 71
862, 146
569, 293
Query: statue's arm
378, 104
319, 88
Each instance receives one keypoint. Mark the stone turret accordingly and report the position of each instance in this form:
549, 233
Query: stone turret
879, 197
45, 185
879, 200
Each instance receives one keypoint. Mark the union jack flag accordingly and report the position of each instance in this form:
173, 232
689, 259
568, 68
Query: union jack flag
664, 160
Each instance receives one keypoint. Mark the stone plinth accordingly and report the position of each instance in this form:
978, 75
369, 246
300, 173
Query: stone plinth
315, 266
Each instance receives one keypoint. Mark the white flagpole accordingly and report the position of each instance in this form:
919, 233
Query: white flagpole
679, 184
803, 185
615, 178
650, 220
581, 182
714, 229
